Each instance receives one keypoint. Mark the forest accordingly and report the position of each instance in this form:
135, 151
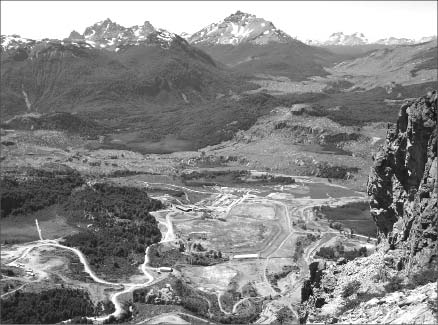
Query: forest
47, 307
36, 189
121, 228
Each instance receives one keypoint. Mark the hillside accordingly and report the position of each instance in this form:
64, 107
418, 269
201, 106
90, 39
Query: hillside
57, 121
405, 65
294, 59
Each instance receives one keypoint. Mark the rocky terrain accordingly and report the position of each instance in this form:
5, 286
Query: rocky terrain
397, 284
402, 185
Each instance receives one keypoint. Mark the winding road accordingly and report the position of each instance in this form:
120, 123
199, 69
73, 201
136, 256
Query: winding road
302, 210
128, 287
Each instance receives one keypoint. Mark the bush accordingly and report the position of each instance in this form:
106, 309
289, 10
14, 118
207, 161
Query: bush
394, 284
424, 277
351, 288
349, 304
285, 316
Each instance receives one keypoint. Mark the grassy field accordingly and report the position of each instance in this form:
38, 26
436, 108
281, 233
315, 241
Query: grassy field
18, 230
22, 228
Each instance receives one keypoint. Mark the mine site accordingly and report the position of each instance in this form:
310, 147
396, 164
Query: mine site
237, 167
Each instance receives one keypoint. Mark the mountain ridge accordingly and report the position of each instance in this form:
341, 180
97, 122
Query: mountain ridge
358, 39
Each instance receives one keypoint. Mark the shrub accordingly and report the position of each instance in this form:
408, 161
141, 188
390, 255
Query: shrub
361, 297
424, 277
284, 315
351, 288
394, 284
349, 304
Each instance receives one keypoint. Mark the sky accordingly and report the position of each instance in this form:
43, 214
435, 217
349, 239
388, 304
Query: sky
315, 20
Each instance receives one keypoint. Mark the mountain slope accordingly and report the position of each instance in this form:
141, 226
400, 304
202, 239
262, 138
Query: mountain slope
150, 88
405, 65
74, 76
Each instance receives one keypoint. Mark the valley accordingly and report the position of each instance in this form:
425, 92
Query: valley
225, 219
235, 175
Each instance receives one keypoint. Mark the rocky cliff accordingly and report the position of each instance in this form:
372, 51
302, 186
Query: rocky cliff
402, 185
397, 283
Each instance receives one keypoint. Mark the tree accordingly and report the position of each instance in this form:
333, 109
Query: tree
283, 315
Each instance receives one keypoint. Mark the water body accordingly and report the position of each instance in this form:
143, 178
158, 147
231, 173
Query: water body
329, 149
133, 141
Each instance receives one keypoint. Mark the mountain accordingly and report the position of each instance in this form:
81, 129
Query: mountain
110, 35
427, 39
395, 41
359, 39
153, 85
402, 65
348, 40
397, 283
255, 46
240, 28
185, 35
15, 42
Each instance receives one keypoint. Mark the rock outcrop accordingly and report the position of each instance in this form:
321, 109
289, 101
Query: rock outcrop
403, 184
397, 283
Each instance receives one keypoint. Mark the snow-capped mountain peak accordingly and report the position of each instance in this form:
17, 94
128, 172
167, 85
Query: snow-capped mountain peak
14, 41
343, 39
185, 35
108, 34
395, 41
105, 34
239, 28
111, 36
427, 39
